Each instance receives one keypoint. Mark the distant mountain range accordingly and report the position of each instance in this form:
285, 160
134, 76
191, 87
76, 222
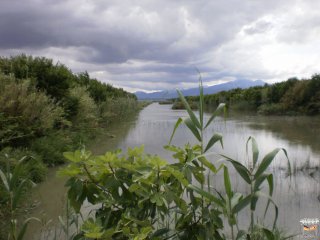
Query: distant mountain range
241, 83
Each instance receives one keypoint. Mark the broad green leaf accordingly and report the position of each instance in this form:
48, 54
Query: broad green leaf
241, 234
179, 176
160, 232
208, 164
157, 199
267, 161
241, 204
215, 138
107, 235
179, 121
242, 170
71, 170
4, 180
268, 234
73, 156
199, 176
190, 112
192, 128
92, 229
256, 188
270, 183
255, 150
172, 148
207, 195
253, 204
236, 197
227, 182
220, 108
259, 181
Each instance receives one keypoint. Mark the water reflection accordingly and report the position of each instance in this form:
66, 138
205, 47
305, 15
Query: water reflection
297, 197
51, 194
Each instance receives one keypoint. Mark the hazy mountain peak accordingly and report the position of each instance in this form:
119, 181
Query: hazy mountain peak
166, 94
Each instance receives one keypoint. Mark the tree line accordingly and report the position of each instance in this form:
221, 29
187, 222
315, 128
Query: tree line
291, 97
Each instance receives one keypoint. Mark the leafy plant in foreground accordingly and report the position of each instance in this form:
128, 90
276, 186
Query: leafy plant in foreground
254, 176
140, 196
14, 188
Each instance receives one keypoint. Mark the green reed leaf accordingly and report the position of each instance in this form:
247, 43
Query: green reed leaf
242, 170
221, 108
267, 160
179, 121
227, 182
188, 122
255, 150
206, 194
215, 138
192, 116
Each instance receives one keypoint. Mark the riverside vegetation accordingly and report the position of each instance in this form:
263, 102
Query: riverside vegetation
45, 110
291, 97
140, 196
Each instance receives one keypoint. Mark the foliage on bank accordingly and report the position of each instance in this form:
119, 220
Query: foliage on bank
46, 109
290, 97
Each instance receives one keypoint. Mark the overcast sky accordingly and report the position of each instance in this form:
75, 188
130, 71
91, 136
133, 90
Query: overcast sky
157, 44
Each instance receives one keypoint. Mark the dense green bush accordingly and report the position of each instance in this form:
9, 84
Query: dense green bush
45, 110
25, 113
39, 97
115, 109
179, 105
87, 111
50, 147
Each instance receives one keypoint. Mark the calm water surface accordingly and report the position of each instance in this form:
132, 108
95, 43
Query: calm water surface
300, 136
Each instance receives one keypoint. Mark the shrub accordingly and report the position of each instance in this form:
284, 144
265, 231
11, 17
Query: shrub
13, 187
86, 116
33, 167
179, 105
25, 113
51, 147
114, 109
271, 109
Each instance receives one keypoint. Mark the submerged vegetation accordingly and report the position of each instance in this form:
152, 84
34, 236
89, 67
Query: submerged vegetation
142, 196
45, 110
290, 97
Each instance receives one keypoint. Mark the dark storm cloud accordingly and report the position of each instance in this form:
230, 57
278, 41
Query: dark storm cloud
165, 39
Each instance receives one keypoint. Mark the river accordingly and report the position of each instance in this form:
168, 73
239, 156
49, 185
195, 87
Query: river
297, 197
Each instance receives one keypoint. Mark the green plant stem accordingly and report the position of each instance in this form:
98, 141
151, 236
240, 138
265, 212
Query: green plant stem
202, 200
232, 234
252, 212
